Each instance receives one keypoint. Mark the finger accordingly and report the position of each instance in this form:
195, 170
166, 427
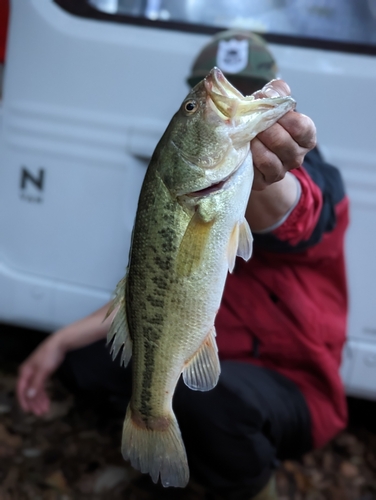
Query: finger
40, 405
23, 385
301, 128
274, 88
40, 408
37, 383
268, 167
278, 140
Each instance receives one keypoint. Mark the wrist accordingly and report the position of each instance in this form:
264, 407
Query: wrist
268, 207
60, 340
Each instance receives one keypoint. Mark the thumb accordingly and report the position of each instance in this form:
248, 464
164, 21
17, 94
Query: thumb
23, 385
37, 382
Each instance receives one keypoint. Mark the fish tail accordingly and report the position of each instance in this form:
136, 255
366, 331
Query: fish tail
159, 451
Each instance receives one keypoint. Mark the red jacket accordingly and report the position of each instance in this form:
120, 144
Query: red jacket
4, 15
286, 308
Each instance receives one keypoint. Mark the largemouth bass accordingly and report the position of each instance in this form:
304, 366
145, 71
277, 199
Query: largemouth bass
189, 228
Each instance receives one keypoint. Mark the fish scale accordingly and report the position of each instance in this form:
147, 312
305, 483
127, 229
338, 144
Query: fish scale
189, 228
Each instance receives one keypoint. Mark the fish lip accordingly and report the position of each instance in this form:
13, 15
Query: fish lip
222, 97
217, 83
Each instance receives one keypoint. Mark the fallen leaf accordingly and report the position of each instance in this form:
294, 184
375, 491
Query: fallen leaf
58, 409
57, 480
109, 477
348, 469
10, 479
9, 443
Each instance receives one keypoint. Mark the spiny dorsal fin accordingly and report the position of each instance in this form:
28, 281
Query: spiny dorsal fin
203, 369
119, 331
245, 241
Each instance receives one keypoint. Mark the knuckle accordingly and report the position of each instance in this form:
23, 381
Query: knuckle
274, 173
279, 176
259, 184
302, 129
295, 162
263, 162
307, 136
311, 143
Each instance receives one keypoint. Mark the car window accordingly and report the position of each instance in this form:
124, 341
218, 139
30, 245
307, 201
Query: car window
335, 20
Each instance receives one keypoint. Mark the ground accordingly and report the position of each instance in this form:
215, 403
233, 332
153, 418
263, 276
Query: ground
74, 454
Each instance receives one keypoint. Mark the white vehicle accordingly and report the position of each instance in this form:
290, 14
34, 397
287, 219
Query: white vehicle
89, 87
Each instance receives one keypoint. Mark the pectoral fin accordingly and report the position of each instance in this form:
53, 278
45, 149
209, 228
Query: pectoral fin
240, 243
245, 240
203, 369
193, 245
232, 248
118, 333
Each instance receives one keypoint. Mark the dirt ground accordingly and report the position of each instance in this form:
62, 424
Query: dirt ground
74, 454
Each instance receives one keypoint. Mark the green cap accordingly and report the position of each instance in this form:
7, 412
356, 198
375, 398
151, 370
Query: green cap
236, 53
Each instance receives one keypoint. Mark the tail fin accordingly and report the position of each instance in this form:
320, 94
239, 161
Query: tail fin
157, 452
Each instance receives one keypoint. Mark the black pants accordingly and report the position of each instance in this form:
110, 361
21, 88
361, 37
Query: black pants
234, 434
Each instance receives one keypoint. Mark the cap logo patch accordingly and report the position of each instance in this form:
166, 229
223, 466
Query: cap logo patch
232, 55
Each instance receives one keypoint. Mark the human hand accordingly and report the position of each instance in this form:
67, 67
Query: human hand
283, 146
35, 372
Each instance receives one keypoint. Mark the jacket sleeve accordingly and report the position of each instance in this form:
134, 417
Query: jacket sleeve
321, 190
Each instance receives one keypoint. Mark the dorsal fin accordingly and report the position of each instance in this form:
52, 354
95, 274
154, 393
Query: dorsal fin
118, 333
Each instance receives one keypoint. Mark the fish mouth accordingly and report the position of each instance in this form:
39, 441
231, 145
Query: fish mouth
229, 103
217, 84
224, 99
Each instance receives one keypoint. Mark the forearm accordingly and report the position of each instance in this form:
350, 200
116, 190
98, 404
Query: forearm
84, 331
267, 207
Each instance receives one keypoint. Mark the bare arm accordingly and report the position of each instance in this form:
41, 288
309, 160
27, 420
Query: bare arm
84, 331
275, 152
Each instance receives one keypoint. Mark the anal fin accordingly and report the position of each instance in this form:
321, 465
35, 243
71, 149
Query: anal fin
118, 333
203, 369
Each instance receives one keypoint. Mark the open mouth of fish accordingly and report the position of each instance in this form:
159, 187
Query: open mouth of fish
228, 102
235, 109
225, 100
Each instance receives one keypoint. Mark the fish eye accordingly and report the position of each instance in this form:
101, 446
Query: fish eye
191, 106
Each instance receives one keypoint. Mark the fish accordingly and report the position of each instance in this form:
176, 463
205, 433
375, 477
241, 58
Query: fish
189, 228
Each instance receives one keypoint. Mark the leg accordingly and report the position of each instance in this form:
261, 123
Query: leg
235, 433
